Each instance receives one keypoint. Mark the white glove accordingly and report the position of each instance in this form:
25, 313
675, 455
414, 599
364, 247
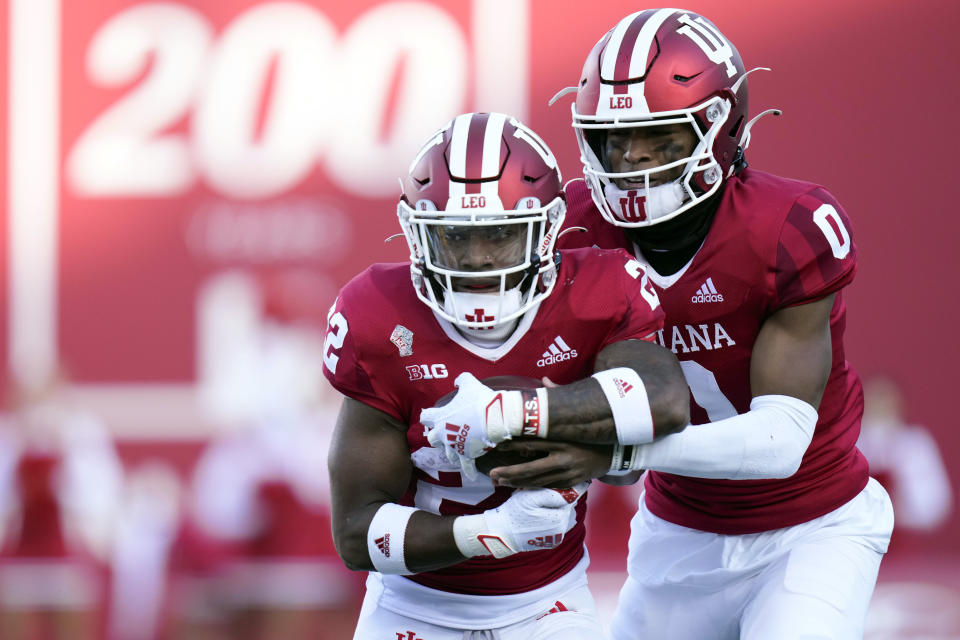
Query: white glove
473, 422
530, 520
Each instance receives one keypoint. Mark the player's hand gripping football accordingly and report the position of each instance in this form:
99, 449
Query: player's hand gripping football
530, 520
474, 421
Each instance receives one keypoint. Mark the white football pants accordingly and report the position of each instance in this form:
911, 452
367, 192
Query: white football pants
812, 581
575, 619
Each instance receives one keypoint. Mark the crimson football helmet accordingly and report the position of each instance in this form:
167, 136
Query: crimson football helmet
481, 207
654, 68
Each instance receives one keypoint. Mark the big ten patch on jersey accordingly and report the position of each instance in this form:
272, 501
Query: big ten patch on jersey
427, 371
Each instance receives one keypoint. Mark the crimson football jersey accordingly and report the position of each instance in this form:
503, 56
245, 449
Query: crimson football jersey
774, 243
387, 349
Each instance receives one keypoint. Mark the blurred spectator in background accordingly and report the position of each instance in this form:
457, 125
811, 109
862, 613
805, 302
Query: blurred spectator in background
60, 482
148, 526
260, 490
905, 458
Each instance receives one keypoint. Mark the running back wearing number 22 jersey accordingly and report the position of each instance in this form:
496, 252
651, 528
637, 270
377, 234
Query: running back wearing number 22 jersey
390, 351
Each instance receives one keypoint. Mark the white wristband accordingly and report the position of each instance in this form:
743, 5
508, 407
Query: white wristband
628, 403
385, 538
535, 414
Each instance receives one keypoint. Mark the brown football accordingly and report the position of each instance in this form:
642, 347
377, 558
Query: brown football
495, 458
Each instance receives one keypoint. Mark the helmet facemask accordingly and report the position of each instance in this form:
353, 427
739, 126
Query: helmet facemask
660, 67
481, 209
516, 275
653, 200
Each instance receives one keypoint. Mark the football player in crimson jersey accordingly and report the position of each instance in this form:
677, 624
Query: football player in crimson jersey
759, 520
452, 556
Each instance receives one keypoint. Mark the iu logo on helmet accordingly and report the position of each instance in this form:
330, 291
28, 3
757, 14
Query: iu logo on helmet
710, 41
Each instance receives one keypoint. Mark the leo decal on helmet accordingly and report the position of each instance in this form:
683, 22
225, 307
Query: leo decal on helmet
480, 209
660, 68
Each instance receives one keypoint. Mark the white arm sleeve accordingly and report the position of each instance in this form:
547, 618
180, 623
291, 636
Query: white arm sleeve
766, 442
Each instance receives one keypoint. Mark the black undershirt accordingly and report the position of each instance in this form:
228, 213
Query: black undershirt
670, 245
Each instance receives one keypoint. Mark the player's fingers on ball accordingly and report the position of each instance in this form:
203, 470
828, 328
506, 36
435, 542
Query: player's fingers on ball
520, 475
525, 447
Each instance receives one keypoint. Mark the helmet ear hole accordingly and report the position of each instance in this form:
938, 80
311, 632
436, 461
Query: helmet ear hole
735, 129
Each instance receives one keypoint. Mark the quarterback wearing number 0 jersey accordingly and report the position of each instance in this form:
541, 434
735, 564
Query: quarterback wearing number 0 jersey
759, 519
390, 351
773, 243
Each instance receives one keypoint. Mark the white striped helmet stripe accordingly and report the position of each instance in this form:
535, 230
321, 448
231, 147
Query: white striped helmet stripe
641, 48
609, 62
638, 63
458, 152
490, 167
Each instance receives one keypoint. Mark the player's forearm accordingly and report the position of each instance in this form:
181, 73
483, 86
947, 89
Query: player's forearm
583, 412
637, 394
430, 543
579, 412
767, 442
403, 540
421, 541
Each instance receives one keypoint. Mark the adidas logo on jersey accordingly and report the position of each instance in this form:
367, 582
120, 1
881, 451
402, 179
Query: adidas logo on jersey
557, 352
383, 544
707, 293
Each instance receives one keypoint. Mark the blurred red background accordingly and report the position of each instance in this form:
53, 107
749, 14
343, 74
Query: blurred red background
171, 167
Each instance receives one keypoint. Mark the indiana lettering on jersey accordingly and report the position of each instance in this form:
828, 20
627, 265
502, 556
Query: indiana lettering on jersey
688, 338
